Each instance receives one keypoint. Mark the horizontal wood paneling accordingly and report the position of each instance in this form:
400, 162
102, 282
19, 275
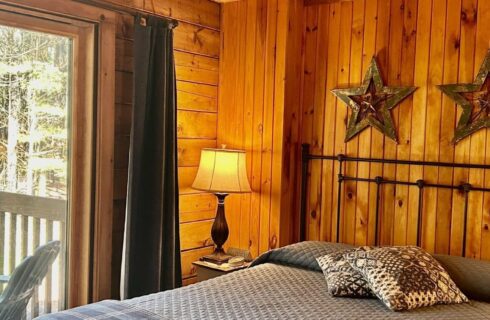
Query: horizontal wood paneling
193, 124
195, 102
190, 38
189, 256
201, 12
197, 48
198, 89
195, 234
417, 42
187, 37
189, 150
186, 177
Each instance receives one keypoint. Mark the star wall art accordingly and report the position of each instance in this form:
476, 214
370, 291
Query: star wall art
474, 98
371, 103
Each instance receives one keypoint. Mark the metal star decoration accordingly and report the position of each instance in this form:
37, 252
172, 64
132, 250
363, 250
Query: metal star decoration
474, 98
371, 103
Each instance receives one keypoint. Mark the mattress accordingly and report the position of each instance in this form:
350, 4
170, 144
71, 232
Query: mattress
281, 284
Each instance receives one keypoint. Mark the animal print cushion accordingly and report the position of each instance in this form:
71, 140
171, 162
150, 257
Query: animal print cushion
405, 278
342, 279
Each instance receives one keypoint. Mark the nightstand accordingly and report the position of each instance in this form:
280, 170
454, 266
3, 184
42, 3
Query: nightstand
206, 270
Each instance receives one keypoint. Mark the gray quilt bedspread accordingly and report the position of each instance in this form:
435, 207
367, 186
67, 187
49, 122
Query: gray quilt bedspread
284, 284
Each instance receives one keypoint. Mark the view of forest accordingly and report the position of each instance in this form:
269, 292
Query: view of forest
34, 97
35, 93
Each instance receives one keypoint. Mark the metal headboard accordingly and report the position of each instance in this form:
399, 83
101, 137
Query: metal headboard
306, 157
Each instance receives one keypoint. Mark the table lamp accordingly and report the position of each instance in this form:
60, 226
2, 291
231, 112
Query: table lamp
221, 171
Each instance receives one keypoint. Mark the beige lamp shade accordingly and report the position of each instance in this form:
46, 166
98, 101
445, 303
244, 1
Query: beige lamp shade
222, 171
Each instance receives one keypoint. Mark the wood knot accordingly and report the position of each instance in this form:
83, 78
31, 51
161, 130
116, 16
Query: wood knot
208, 242
313, 214
349, 195
400, 203
485, 227
457, 44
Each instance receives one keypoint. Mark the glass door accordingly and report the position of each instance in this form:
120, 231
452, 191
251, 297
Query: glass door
35, 119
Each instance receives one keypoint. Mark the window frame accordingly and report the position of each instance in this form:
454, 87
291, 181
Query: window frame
92, 135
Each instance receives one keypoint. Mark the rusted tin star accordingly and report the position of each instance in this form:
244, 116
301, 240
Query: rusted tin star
371, 103
474, 98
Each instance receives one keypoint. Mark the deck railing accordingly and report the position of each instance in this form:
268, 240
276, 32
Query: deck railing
26, 222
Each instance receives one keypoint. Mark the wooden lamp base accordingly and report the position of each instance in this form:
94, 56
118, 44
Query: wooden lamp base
219, 233
217, 257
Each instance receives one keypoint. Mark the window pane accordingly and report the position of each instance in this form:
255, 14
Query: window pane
35, 85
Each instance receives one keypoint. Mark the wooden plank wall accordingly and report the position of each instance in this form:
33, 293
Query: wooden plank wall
256, 83
197, 51
421, 43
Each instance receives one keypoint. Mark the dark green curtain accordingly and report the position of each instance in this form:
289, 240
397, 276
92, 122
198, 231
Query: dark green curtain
151, 242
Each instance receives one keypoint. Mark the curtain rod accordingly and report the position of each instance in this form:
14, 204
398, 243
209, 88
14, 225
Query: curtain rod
126, 9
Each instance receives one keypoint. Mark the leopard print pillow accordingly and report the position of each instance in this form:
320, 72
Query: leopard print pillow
342, 279
405, 278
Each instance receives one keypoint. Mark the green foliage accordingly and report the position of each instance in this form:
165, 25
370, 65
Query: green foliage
34, 102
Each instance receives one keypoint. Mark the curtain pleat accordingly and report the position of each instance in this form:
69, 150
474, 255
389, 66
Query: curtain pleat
151, 257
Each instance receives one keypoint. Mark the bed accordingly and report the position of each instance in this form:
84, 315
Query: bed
284, 283
287, 283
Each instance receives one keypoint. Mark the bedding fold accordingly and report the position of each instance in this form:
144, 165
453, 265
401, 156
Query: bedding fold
300, 255
104, 310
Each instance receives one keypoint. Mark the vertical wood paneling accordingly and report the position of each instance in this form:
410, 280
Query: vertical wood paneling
404, 120
254, 77
417, 43
363, 218
433, 119
417, 145
309, 115
392, 78
448, 122
478, 141
462, 149
258, 128
377, 139
341, 115
355, 65
328, 177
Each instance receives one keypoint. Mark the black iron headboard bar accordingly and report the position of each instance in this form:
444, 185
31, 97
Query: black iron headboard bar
379, 181
305, 150
391, 161
415, 184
